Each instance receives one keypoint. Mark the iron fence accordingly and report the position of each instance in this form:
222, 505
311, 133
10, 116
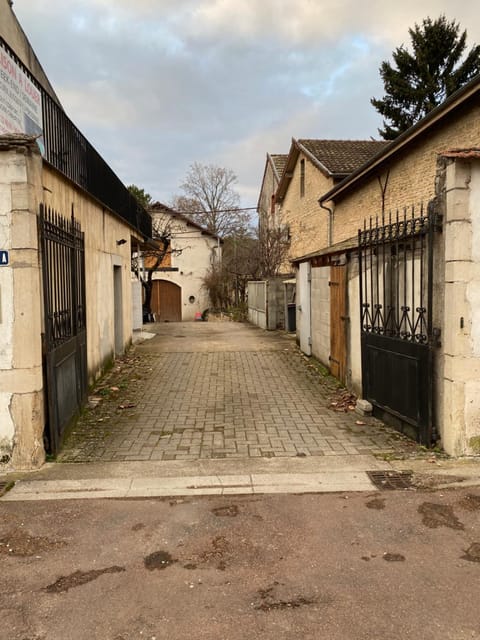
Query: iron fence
395, 275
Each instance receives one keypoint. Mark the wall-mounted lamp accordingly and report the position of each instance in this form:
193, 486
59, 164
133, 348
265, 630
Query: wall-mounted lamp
122, 241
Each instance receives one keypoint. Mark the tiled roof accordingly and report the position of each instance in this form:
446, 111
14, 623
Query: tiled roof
279, 161
341, 157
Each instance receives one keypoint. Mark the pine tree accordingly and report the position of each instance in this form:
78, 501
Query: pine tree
425, 78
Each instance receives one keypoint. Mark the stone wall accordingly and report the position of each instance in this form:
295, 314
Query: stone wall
409, 178
21, 381
458, 389
103, 255
308, 223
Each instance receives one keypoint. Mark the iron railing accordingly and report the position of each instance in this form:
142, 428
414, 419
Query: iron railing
63, 276
395, 275
68, 151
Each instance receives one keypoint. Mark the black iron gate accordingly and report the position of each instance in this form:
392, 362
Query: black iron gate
64, 338
396, 295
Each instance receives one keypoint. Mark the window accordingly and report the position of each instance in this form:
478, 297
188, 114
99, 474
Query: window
302, 178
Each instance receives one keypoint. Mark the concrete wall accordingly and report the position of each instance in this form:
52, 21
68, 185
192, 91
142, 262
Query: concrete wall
458, 392
137, 311
354, 347
276, 304
102, 255
321, 314
304, 317
257, 303
21, 382
266, 303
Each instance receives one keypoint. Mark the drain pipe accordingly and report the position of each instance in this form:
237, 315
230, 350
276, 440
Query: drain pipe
330, 222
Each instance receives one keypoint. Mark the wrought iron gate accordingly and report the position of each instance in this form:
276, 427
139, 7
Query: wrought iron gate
64, 338
396, 295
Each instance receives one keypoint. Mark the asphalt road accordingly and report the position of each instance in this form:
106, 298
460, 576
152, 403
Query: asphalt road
387, 565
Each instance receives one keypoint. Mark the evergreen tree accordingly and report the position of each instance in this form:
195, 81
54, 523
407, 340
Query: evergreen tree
425, 78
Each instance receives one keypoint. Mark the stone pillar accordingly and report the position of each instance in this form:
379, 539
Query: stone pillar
21, 382
461, 329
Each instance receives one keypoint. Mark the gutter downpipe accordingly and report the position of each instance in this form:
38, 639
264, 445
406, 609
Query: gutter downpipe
330, 222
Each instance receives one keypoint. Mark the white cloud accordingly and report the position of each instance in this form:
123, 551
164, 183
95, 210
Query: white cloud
158, 84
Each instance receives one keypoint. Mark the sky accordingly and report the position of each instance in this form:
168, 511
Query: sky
156, 85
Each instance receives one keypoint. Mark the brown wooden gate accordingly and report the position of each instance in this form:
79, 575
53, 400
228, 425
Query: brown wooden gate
338, 318
166, 301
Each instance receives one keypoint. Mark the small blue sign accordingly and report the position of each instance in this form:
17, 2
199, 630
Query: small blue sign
3, 258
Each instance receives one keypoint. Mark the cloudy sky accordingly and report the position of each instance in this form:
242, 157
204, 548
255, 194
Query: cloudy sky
156, 85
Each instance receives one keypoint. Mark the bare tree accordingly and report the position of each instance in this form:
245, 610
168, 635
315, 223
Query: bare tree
156, 253
210, 197
273, 245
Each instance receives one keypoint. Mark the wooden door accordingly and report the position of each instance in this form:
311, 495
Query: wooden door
338, 320
166, 301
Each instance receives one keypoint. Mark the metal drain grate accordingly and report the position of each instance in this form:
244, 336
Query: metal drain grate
389, 480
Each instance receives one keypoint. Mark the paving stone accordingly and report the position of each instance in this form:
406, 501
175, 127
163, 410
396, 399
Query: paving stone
189, 405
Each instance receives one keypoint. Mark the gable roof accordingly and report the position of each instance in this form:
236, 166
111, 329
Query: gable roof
159, 207
469, 93
278, 160
336, 159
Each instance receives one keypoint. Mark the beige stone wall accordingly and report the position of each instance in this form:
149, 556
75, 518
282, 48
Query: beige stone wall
307, 221
21, 381
458, 390
193, 253
102, 231
410, 177
268, 189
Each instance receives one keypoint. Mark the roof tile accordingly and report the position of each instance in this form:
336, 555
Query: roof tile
341, 157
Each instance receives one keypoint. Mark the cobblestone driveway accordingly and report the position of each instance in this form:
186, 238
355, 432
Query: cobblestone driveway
219, 390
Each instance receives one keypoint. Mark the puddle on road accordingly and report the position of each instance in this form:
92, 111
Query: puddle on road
472, 554
376, 503
272, 598
439, 515
393, 557
158, 560
80, 578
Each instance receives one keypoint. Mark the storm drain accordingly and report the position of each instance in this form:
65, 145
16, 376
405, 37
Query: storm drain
389, 480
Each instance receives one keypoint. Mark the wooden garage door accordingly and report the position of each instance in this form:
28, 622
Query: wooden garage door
166, 301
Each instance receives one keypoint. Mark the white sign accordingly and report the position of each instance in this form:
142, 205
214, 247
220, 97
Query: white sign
3, 258
20, 100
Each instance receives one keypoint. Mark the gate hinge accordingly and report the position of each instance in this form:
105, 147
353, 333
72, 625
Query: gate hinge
436, 333
309, 341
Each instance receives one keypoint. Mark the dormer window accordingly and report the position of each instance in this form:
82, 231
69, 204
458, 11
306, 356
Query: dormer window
302, 178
